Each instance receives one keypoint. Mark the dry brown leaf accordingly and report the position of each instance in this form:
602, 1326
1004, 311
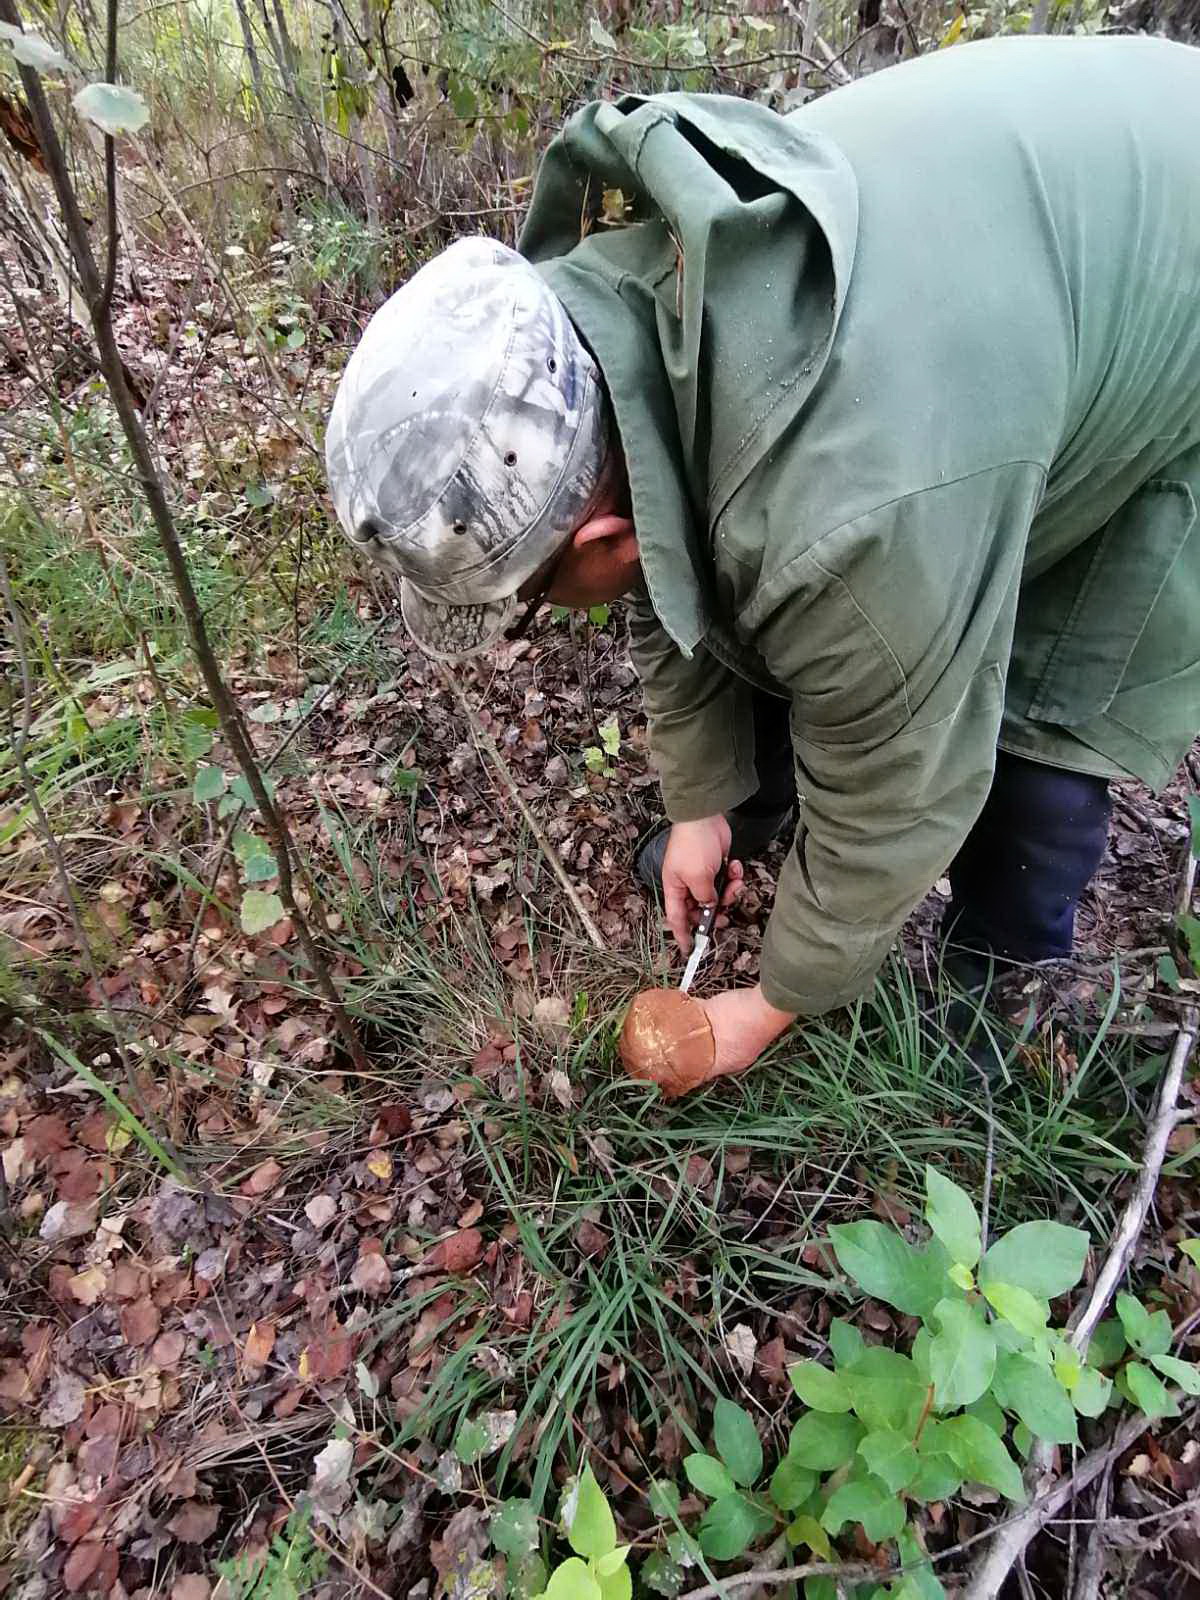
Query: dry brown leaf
321, 1210
191, 1586
168, 1348
263, 1179
65, 1402
460, 1252
90, 1566
742, 1347
89, 1285
260, 1341
591, 1241
67, 1221
140, 1321
194, 1522
371, 1273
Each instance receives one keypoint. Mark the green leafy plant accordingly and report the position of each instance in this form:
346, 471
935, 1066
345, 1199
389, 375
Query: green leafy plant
596, 758
599, 1568
292, 1567
987, 1374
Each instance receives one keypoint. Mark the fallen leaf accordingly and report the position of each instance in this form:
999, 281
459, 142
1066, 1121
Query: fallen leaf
552, 1015
321, 1210
168, 1348
194, 1522
263, 1179
65, 1401
561, 1088
90, 1565
191, 1586
67, 1221
140, 1321
260, 1341
88, 1286
742, 1347
460, 1252
330, 1486
591, 1241
379, 1164
371, 1273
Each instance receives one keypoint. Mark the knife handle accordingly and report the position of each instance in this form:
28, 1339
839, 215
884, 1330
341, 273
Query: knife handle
709, 914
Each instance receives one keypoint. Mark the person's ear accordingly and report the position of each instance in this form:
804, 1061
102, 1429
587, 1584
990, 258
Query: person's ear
607, 527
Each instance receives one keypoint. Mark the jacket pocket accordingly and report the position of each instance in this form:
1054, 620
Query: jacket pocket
1133, 558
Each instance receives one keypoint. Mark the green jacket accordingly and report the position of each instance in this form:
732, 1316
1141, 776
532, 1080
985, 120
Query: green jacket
908, 384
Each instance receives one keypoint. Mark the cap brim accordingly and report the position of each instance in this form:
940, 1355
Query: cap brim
451, 633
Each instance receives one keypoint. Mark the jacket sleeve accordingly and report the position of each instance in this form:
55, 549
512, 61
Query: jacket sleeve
701, 726
893, 634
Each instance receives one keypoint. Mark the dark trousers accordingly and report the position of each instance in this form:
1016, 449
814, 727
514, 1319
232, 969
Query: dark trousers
1017, 879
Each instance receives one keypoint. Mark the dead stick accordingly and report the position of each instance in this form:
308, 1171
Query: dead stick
484, 738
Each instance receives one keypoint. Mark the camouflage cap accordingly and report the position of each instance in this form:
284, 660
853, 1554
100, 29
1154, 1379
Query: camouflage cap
466, 439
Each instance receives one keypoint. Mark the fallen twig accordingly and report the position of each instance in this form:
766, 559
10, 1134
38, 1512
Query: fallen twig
484, 738
990, 1573
1091, 1569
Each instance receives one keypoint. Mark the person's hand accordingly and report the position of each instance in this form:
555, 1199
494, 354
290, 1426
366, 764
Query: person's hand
744, 1023
695, 851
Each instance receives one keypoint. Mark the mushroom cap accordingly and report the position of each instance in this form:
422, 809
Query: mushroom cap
667, 1039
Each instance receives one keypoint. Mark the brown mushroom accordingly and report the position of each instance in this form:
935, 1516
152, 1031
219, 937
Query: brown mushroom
667, 1039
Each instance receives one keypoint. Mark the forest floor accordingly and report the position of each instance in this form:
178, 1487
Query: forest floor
291, 1282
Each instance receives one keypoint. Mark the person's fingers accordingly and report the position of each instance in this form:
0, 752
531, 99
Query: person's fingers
676, 904
702, 883
734, 883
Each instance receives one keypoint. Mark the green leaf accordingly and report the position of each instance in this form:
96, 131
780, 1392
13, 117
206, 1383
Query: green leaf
1046, 1258
921, 1577
821, 1588
1107, 1344
209, 783
1038, 1398
824, 1442
731, 1526
846, 1343
598, 615
1191, 1249
980, 1455
572, 1581
962, 1357
617, 1585
1017, 1306
883, 1264
819, 1387
594, 758
661, 1574
525, 1577
268, 712
1193, 805
612, 1562
792, 1484
1148, 1333
470, 1441
1147, 1390
260, 868
866, 1501
586, 1519
737, 1442
1168, 973
938, 1477
708, 1475
987, 1410
807, 1530
1189, 927
887, 1390
259, 495
951, 1214
890, 1456
962, 1277
260, 911
664, 1498
610, 736
514, 1528
1185, 1373
1091, 1393
599, 35
112, 107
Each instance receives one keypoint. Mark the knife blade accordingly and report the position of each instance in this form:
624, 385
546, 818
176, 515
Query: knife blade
703, 939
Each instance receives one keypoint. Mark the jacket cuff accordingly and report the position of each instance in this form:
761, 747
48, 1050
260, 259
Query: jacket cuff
690, 802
